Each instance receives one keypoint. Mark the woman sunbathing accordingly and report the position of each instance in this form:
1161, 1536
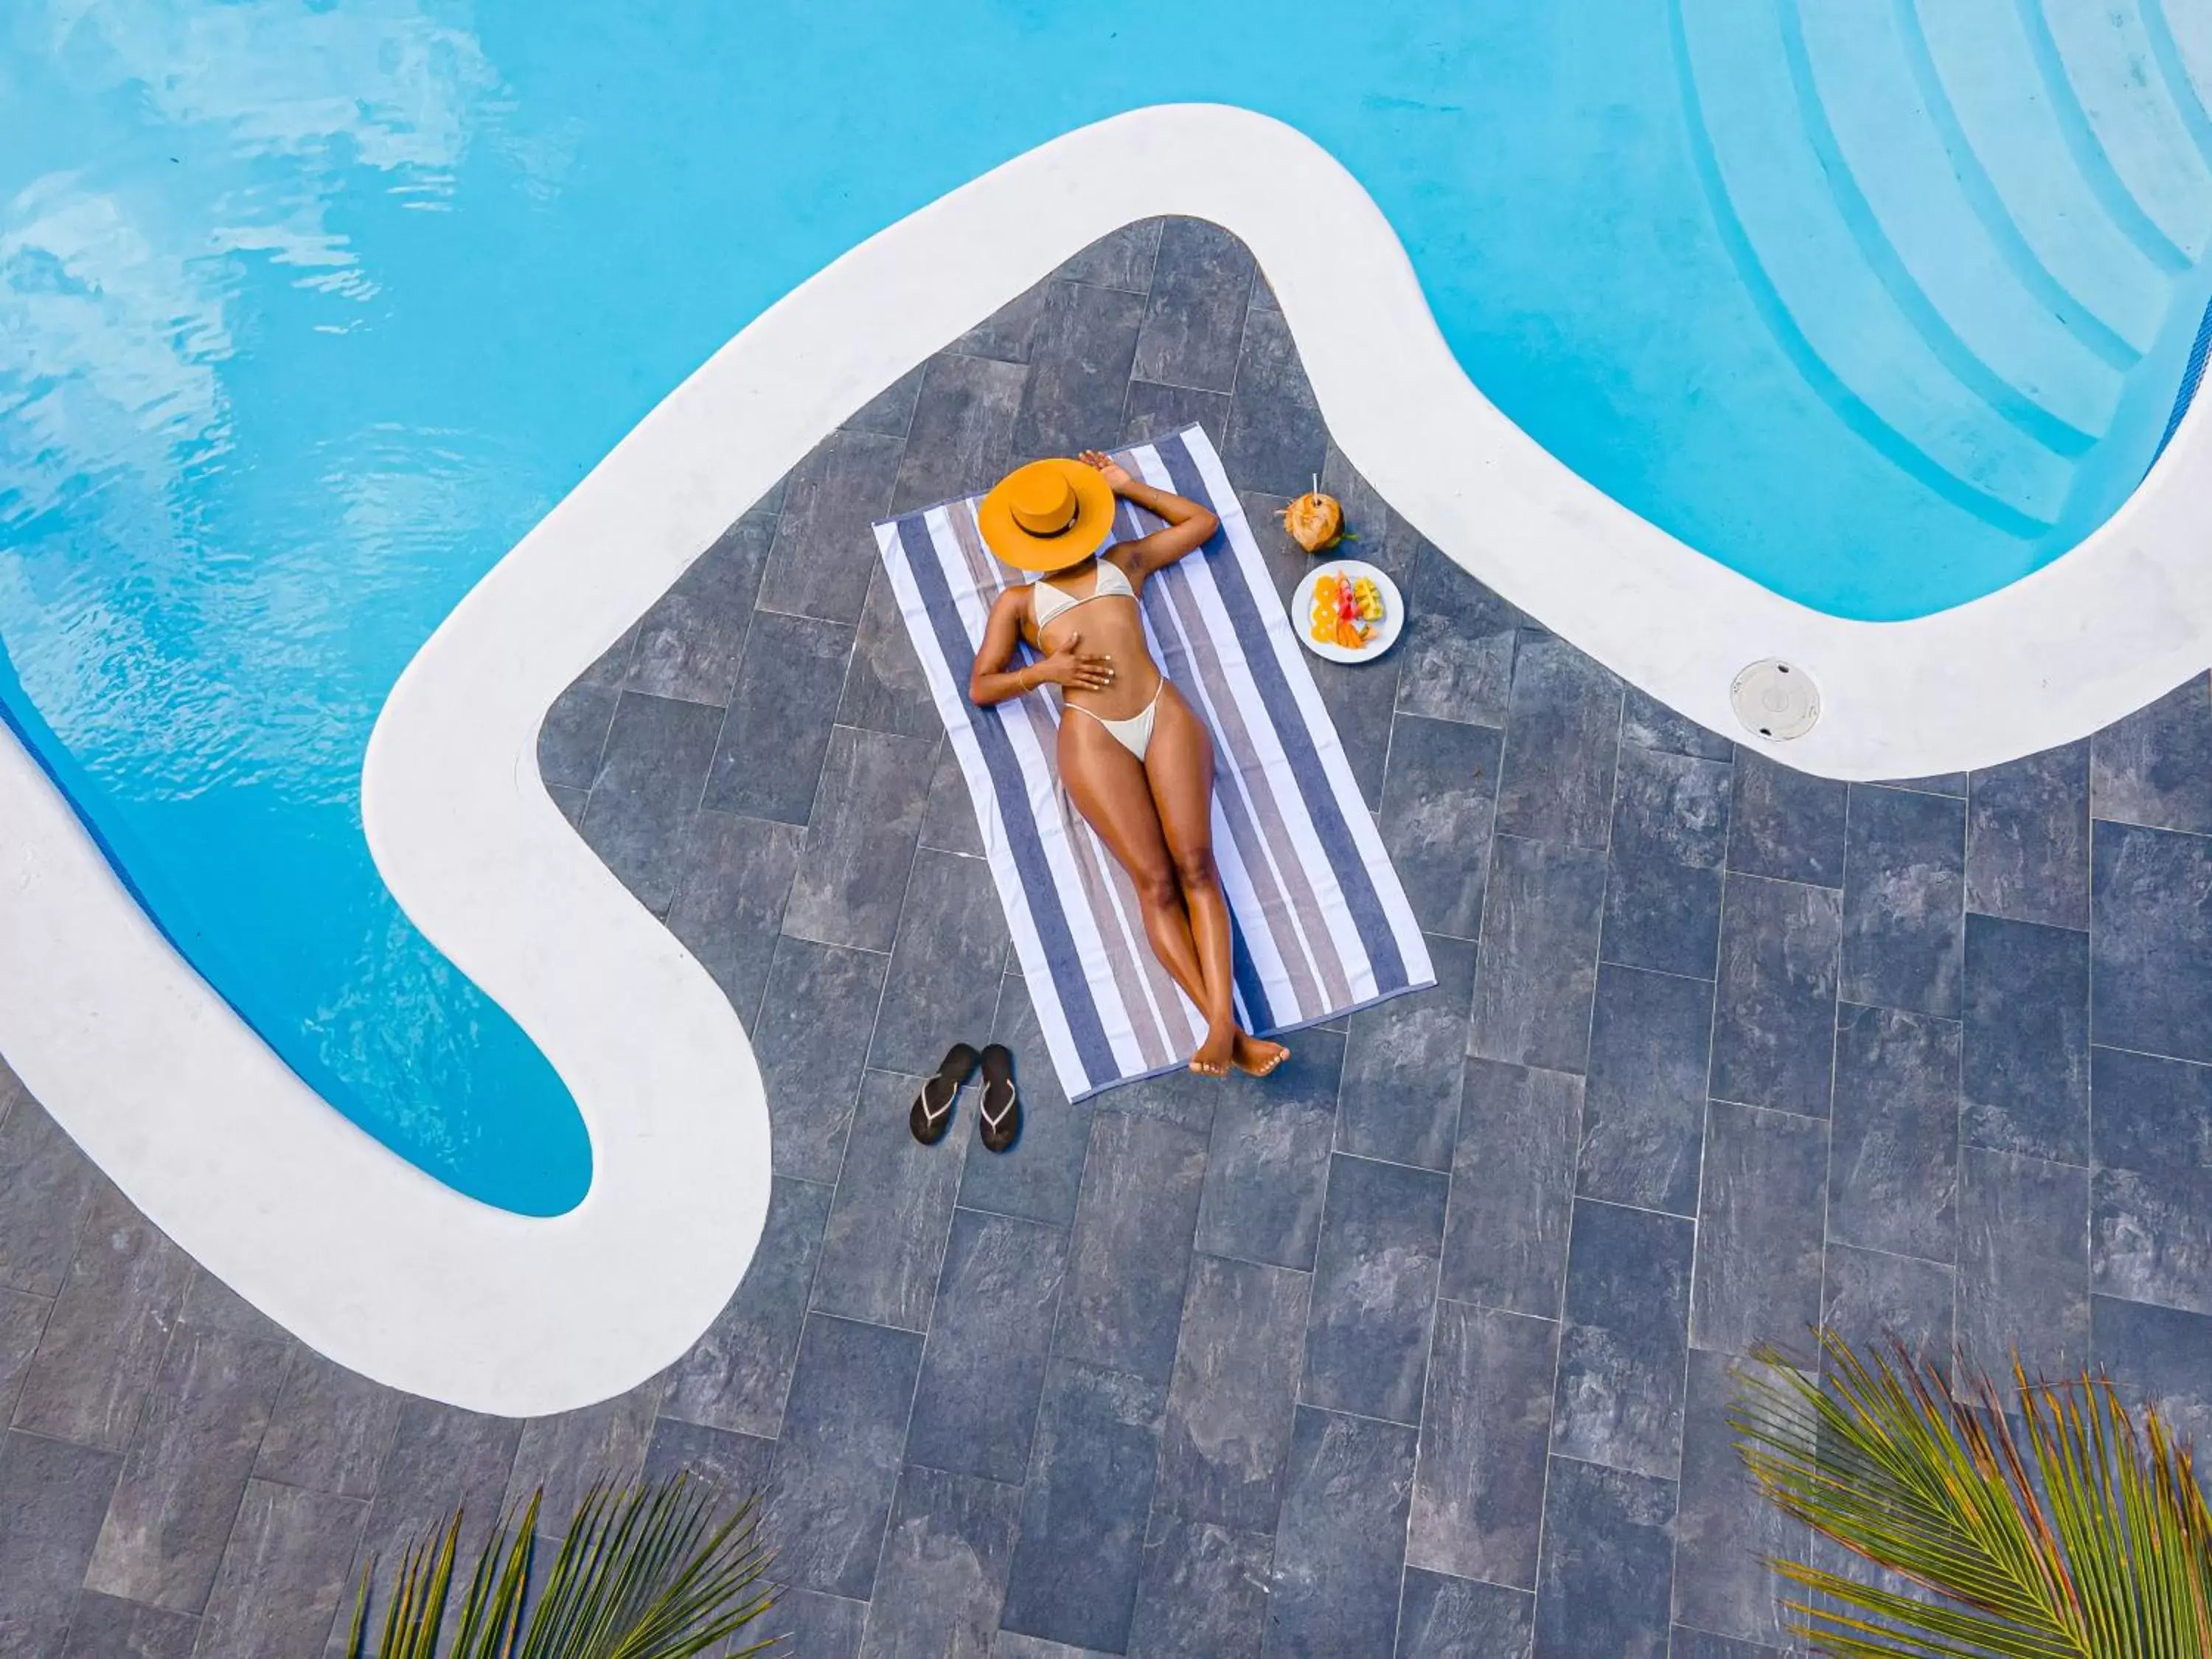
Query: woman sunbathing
1137, 763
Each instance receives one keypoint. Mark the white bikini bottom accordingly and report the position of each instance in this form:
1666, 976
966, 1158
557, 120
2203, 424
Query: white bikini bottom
1134, 733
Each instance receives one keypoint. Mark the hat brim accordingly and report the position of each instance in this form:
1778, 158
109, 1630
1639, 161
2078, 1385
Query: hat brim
1085, 535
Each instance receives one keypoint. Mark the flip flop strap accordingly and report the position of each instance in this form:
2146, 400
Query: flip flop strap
930, 1114
994, 1118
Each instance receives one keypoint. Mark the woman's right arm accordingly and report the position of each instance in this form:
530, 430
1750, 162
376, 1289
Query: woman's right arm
990, 681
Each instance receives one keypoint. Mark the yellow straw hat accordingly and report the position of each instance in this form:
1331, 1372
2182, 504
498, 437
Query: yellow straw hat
1047, 515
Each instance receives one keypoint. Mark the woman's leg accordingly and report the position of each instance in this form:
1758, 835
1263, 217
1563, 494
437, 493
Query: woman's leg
1107, 784
1179, 766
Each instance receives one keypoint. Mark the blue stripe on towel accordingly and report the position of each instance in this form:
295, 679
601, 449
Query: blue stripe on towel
1069, 981
1377, 936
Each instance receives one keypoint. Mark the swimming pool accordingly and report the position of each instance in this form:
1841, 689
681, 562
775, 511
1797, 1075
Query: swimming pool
350, 296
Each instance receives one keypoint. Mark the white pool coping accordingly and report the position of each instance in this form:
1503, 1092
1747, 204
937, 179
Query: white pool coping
395, 1275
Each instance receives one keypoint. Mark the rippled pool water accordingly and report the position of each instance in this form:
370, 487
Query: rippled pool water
309, 311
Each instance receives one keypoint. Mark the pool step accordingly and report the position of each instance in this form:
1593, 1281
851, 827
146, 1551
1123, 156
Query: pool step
1964, 222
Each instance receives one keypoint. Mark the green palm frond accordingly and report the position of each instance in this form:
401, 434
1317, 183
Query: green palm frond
651, 1573
2072, 1535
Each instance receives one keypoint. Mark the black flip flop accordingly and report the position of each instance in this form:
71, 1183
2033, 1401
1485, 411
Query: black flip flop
999, 1123
931, 1115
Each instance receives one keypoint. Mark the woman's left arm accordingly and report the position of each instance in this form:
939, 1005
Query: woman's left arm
1189, 525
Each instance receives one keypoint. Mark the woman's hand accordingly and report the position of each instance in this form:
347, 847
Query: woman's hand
1077, 670
1116, 476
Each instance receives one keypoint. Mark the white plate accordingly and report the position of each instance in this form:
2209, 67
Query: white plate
1386, 631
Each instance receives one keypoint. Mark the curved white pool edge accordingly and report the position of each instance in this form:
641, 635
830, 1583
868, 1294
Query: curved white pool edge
394, 1275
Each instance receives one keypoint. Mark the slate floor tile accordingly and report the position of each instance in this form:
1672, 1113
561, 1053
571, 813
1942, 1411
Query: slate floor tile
1725, 1531
1230, 1401
983, 1367
563, 1456
1458, 647
1647, 723
1872, 1299
890, 411
1486, 1431
648, 786
737, 1374
859, 841
964, 431
1608, 1544
1201, 1592
104, 1627
187, 1468
689, 645
771, 743
1512, 1189
1121, 258
1360, 698
949, 822
2027, 838
1042, 1181
946, 962
885, 687
733, 881
102, 1347
1893, 1167
1003, 336
1340, 1548
1663, 888
2150, 1235
2154, 767
1080, 357
1154, 411
1904, 893
2023, 1264
57, 1492
23, 1320
574, 731
1080, 1549
837, 1463
811, 1041
1446, 1617
1618, 1400
1277, 442
1129, 1255
1436, 818
2151, 950
1757, 1282
1562, 739
730, 1468
1785, 823
2025, 1062
1537, 969
885, 1239
1374, 1289
1402, 1061
46, 1187
441, 1459
1194, 322
2159, 1357
944, 1572
1774, 1021
1268, 1168
812, 1622
1689, 1643
824, 550
285, 1579
1643, 1108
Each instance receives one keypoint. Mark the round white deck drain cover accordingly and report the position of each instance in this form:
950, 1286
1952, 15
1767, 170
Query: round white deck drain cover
1775, 699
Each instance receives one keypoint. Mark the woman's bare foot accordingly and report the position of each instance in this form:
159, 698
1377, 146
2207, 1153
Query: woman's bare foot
1256, 1056
1215, 1054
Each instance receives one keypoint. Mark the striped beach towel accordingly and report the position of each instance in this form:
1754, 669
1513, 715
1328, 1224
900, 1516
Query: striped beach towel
1321, 927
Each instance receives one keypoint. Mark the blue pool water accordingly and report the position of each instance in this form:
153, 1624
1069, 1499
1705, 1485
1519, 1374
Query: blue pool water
308, 308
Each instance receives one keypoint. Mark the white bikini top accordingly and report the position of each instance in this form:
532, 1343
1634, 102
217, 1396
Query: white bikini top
1048, 601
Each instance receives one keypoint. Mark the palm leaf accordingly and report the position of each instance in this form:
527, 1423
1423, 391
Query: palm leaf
2071, 1534
656, 1573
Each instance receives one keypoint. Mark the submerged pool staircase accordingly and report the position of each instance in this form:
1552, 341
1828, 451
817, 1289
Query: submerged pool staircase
1976, 227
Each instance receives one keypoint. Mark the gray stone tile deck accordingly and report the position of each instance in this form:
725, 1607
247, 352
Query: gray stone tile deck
1423, 1347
